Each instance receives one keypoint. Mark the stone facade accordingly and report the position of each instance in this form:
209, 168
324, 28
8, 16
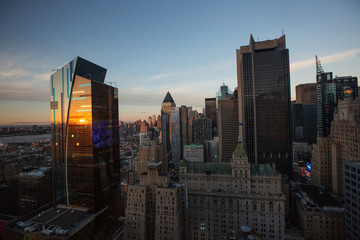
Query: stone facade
222, 197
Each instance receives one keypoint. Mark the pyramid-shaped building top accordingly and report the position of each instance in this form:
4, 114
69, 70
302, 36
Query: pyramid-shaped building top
168, 98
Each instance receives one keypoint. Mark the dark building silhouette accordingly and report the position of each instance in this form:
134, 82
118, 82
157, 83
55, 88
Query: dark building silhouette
210, 112
176, 135
34, 189
227, 125
264, 102
304, 120
306, 93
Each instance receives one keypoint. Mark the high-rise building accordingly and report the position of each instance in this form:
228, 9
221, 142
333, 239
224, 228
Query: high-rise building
34, 189
329, 92
342, 144
166, 106
304, 122
352, 199
85, 135
264, 102
210, 113
176, 135
222, 92
201, 130
184, 125
227, 122
345, 140
306, 93
155, 206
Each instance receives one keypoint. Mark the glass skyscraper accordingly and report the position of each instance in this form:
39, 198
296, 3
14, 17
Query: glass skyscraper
264, 102
85, 135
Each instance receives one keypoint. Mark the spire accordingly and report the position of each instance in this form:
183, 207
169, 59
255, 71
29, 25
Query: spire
319, 69
251, 38
239, 151
168, 98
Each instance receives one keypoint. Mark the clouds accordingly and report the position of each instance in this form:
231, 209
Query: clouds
300, 65
24, 79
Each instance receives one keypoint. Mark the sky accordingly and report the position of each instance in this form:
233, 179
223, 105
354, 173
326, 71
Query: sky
151, 47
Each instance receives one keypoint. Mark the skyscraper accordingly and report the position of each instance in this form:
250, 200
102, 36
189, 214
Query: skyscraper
264, 102
227, 122
166, 106
85, 134
210, 112
176, 135
329, 91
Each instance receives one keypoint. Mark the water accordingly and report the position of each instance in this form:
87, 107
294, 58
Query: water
26, 138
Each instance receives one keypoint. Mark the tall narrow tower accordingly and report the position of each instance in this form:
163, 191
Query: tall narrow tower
264, 102
84, 135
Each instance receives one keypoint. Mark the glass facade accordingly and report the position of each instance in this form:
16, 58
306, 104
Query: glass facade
85, 135
329, 92
264, 102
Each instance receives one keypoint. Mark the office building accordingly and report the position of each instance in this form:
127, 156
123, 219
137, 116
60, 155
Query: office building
166, 106
154, 204
352, 199
222, 92
264, 102
210, 113
194, 153
306, 93
304, 122
176, 135
34, 189
345, 140
211, 149
184, 125
342, 144
202, 130
329, 92
319, 214
227, 125
224, 197
84, 135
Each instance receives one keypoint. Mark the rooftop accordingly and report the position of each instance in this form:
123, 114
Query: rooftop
263, 170
207, 168
59, 220
168, 98
193, 146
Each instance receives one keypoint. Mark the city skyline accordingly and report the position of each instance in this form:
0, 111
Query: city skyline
151, 48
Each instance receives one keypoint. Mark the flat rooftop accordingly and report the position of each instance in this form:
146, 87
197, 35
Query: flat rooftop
60, 218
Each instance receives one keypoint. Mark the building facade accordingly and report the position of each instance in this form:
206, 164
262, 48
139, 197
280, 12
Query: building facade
223, 197
34, 189
352, 199
329, 92
210, 112
194, 153
319, 214
154, 205
306, 93
227, 122
264, 102
342, 144
85, 134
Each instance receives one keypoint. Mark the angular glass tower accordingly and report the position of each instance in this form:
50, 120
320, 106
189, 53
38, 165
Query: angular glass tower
84, 135
329, 92
264, 102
